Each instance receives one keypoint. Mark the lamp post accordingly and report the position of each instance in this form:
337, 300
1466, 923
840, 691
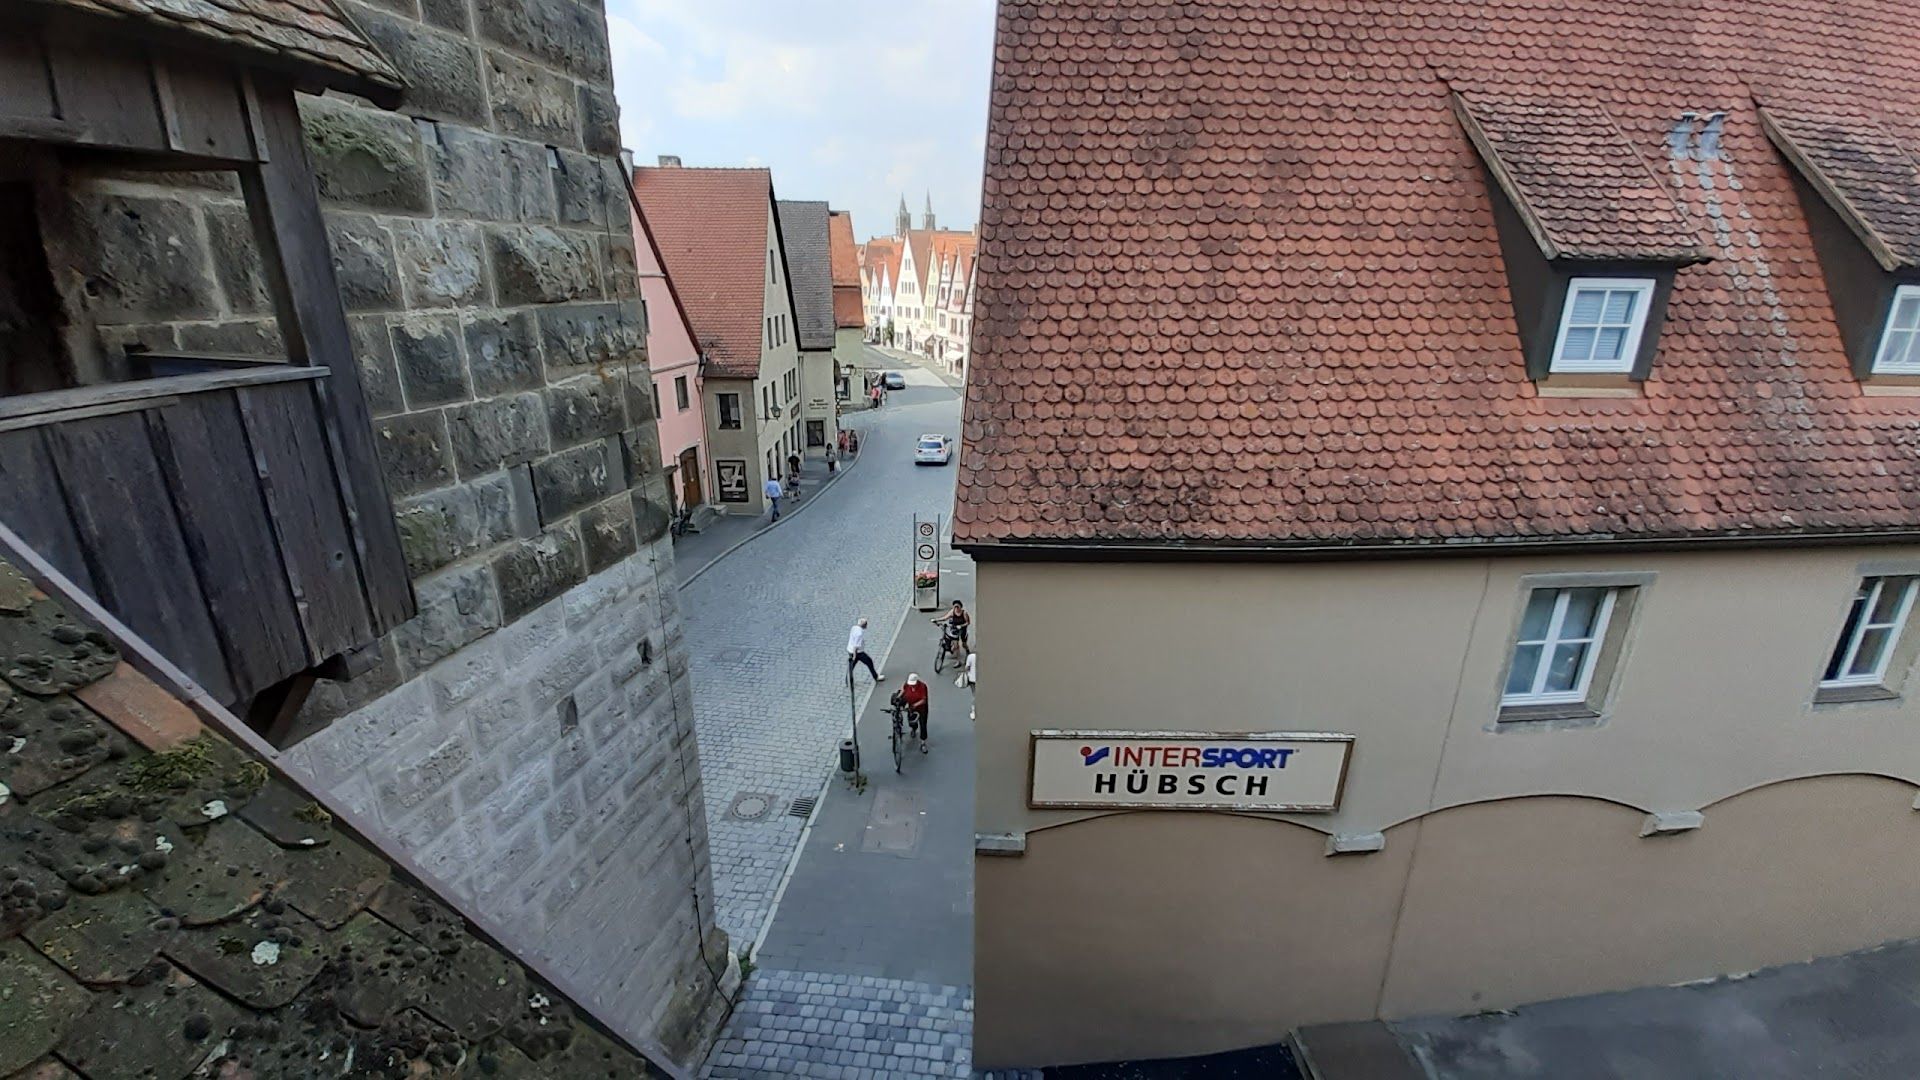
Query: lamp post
850, 751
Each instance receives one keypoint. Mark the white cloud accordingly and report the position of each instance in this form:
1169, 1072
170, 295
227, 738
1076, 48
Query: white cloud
852, 101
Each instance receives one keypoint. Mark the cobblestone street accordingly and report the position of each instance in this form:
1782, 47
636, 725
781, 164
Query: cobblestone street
766, 634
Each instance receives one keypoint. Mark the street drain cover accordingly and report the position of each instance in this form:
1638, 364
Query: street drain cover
802, 807
751, 806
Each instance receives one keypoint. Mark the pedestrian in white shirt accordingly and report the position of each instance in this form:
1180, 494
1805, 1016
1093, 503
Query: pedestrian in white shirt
772, 490
857, 652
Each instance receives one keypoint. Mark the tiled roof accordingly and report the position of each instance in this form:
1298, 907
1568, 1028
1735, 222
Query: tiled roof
1584, 191
176, 908
847, 311
883, 258
1862, 171
309, 34
1240, 282
711, 227
803, 232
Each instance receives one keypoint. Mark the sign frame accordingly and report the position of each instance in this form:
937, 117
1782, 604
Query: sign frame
1079, 734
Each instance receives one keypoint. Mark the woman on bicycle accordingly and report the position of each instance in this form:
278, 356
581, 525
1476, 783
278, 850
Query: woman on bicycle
955, 623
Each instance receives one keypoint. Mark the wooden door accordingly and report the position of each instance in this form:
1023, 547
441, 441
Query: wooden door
690, 477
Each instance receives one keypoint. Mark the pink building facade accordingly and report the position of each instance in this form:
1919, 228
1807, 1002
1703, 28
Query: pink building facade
675, 360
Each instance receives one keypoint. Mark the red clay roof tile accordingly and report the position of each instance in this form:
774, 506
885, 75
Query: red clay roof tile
1239, 280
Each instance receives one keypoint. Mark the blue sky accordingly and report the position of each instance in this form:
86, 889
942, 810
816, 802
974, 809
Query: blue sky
851, 101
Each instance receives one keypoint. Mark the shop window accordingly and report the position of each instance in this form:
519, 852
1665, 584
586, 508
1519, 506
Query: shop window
1873, 647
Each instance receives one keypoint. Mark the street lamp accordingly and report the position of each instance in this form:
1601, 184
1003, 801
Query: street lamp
850, 750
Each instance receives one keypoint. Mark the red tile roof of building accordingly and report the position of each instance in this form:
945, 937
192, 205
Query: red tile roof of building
847, 312
312, 35
711, 229
883, 257
1240, 283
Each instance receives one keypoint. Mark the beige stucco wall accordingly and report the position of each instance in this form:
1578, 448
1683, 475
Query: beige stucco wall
1528, 878
758, 432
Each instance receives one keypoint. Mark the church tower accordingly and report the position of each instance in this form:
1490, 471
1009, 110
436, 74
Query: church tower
926, 219
902, 221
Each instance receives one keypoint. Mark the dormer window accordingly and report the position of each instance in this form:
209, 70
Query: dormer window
1592, 238
1857, 182
1900, 346
1600, 326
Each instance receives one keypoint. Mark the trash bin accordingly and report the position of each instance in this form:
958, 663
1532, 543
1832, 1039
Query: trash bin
848, 763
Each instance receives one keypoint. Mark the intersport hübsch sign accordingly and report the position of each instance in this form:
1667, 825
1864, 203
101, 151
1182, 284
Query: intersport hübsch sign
1189, 770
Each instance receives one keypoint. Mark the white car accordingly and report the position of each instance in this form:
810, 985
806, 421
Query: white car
933, 450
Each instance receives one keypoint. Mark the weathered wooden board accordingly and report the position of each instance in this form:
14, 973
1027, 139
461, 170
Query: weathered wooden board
125, 520
295, 472
203, 454
284, 203
32, 504
24, 86
106, 87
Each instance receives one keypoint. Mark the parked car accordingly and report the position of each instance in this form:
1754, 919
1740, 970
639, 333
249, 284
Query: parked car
893, 380
933, 449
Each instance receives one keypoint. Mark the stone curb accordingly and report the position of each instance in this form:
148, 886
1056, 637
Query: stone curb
758, 533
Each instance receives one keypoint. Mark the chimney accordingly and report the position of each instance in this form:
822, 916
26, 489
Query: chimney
669, 161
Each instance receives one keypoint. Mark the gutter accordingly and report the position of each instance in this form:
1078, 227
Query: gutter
1131, 551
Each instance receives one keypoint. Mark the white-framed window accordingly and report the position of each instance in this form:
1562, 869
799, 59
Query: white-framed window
1560, 638
1872, 631
1900, 345
1600, 326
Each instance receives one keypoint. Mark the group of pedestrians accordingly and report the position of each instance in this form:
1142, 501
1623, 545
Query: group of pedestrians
913, 694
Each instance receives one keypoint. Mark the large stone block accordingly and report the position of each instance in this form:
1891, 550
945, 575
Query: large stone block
579, 337
431, 772
588, 407
363, 263
442, 72
503, 353
414, 452
479, 175
607, 531
427, 350
455, 607
580, 187
442, 263
568, 35
650, 518
236, 259
140, 259
532, 572
599, 120
498, 431
379, 376
443, 526
617, 267
532, 102
237, 337
364, 157
448, 14
571, 479
537, 265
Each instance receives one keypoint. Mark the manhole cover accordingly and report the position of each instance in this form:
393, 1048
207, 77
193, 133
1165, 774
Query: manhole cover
732, 655
802, 807
750, 806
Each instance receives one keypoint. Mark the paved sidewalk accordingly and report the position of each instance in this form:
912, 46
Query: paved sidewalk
695, 552
847, 1027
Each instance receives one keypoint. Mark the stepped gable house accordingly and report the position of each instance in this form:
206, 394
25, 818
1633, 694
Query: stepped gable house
1475, 444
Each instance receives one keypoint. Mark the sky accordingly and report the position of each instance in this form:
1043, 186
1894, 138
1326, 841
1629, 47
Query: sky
851, 101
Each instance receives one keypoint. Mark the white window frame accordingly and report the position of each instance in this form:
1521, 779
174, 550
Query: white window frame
1878, 676
1880, 364
1642, 287
1553, 639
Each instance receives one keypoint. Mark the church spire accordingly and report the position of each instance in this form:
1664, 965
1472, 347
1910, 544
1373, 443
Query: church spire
902, 221
926, 219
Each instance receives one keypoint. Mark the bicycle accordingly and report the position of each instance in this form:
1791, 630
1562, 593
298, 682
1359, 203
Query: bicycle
952, 647
898, 739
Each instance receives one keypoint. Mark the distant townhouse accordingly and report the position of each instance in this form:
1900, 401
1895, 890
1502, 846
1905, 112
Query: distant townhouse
677, 384
803, 230
849, 321
719, 239
956, 268
879, 270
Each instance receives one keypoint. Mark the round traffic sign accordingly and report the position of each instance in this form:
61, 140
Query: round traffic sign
926, 552
926, 528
